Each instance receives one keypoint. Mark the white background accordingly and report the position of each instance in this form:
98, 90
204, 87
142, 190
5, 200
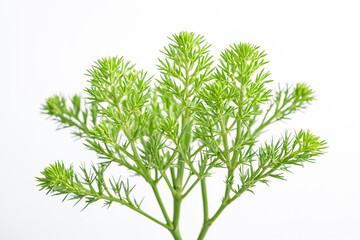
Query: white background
46, 47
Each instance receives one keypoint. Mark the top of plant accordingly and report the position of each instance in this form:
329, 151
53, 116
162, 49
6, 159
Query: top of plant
196, 116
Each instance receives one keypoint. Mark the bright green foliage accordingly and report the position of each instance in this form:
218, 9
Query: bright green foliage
194, 118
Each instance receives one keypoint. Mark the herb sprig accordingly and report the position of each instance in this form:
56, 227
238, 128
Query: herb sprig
195, 118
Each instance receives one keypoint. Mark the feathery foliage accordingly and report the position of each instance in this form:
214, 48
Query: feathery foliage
194, 118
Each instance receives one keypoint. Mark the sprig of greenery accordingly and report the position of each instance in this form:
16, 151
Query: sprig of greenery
196, 117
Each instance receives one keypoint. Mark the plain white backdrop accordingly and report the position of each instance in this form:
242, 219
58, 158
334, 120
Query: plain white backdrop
46, 47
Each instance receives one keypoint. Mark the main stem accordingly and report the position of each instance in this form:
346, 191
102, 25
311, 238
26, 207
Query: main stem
185, 145
206, 223
176, 235
176, 218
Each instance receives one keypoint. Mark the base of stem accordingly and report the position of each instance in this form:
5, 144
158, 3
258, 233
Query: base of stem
176, 234
203, 231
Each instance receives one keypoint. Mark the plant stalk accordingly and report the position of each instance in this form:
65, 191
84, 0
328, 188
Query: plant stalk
176, 234
161, 205
185, 145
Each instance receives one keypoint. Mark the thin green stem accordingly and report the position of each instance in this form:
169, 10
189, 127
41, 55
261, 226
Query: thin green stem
197, 150
121, 201
163, 174
171, 159
237, 139
197, 181
176, 216
228, 186
225, 141
145, 171
205, 200
176, 234
191, 187
187, 180
206, 225
162, 207
185, 148
203, 231
238, 124
172, 173
225, 202
148, 216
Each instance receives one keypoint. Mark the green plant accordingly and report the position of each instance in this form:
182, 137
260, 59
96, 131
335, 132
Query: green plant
194, 119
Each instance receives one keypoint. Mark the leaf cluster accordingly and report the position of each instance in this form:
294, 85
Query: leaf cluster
90, 185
